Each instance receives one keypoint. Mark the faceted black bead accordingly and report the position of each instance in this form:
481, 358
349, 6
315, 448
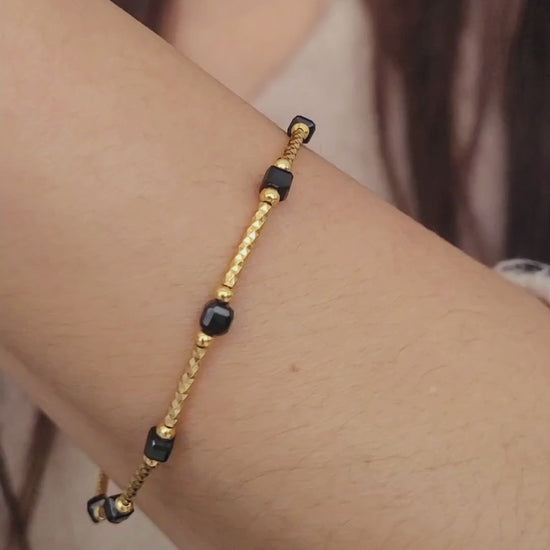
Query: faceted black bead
216, 318
278, 179
157, 448
93, 506
309, 123
112, 513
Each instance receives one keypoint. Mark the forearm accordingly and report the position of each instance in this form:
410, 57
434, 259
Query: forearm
377, 388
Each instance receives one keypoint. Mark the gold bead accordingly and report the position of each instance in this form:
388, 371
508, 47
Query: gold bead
284, 164
99, 513
123, 506
270, 195
203, 340
224, 294
166, 432
149, 462
300, 126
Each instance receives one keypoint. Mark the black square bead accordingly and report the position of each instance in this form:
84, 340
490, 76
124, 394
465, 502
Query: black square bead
157, 448
278, 179
216, 318
93, 506
112, 513
309, 123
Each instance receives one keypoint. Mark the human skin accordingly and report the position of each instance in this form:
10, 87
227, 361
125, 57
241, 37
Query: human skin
378, 388
255, 37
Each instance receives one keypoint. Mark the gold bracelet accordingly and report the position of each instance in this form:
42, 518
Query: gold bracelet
215, 320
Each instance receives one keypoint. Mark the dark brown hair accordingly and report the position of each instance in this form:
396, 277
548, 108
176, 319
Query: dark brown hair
527, 112
419, 40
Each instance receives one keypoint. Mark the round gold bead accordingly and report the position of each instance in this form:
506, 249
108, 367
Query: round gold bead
283, 164
270, 195
124, 506
166, 432
300, 126
203, 340
151, 463
224, 294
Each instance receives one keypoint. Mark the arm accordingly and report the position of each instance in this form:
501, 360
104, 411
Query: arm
378, 388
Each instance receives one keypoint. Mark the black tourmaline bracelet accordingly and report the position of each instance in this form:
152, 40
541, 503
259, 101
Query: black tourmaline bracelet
215, 320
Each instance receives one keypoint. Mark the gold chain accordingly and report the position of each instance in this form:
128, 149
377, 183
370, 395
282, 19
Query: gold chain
270, 196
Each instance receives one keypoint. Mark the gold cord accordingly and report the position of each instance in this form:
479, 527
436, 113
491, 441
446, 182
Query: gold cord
296, 140
137, 481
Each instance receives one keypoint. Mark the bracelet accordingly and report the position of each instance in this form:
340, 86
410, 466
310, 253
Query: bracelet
215, 320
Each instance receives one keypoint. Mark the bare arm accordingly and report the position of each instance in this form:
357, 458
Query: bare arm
378, 389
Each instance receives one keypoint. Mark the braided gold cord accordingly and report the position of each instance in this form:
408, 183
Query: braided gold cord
251, 235
184, 385
269, 197
136, 483
294, 143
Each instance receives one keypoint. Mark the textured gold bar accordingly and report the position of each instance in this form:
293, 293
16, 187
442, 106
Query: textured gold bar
184, 385
250, 237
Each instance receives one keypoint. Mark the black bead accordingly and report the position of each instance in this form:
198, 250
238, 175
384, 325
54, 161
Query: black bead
93, 506
216, 318
309, 123
157, 448
278, 179
112, 513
